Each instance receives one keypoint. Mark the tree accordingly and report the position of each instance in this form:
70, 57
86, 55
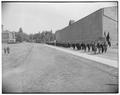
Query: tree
20, 30
21, 36
18, 37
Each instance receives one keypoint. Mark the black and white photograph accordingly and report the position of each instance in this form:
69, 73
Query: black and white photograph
59, 47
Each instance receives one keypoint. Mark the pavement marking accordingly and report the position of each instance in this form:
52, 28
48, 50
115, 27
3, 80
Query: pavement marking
90, 57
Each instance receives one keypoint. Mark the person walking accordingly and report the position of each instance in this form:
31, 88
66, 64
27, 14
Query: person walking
79, 46
102, 47
73, 45
88, 46
95, 48
105, 47
98, 46
82, 45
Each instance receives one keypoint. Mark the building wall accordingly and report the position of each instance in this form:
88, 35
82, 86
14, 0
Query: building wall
86, 29
8, 37
110, 23
112, 12
5, 37
12, 37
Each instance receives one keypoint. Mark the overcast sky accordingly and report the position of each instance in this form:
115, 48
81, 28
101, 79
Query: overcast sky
36, 17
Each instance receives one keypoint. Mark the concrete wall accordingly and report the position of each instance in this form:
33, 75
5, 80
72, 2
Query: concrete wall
86, 29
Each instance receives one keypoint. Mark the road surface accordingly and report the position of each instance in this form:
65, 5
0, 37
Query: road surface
38, 68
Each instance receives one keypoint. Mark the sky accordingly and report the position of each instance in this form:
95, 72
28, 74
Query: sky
36, 17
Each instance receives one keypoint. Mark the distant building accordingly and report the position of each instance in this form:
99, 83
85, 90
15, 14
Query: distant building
92, 27
8, 37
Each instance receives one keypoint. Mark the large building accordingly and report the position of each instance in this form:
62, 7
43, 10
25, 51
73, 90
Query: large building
8, 37
92, 27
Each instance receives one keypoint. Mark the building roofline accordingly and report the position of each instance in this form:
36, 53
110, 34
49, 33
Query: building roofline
86, 17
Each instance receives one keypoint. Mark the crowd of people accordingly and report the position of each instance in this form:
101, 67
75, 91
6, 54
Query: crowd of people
95, 46
99, 46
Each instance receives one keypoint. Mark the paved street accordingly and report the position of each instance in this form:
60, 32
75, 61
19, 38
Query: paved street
38, 68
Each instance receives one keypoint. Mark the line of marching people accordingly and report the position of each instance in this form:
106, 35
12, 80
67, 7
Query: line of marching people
95, 46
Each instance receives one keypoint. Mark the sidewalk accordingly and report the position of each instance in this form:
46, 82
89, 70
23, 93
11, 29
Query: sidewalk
97, 58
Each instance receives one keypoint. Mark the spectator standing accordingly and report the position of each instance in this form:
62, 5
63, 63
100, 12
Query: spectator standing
8, 50
108, 39
4, 50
